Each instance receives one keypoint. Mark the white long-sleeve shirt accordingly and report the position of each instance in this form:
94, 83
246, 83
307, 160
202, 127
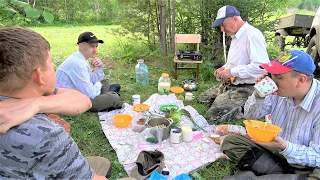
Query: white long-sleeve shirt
248, 50
300, 124
75, 73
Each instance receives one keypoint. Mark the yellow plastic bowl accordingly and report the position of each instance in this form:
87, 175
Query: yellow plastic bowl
260, 134
122, 120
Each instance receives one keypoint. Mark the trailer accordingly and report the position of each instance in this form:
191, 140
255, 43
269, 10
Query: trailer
296, 25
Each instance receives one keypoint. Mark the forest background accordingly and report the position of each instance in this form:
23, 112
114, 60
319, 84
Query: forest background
134, 29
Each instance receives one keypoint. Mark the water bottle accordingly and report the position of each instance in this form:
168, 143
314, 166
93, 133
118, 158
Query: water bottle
141, 69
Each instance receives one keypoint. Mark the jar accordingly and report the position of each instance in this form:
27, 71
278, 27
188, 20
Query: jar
187, 134
135, 99
164, 83
175, 135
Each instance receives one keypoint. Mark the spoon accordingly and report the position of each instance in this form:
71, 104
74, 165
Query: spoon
265, 124
253, 124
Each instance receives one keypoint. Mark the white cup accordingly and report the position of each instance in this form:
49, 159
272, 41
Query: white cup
189, 96
135, 99
265, 87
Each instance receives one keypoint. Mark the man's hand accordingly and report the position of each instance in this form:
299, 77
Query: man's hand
16, 111
96, 62
278, 142
217, 72
225, 75
260, 78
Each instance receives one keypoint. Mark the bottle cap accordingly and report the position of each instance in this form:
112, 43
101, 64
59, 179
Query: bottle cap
165, 75
140, 60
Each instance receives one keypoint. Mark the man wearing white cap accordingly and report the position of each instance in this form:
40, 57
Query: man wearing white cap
247, 52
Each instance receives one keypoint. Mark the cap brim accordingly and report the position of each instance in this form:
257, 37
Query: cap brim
275, 67
218, 22
95, 40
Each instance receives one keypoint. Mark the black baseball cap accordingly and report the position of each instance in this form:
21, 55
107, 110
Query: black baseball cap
88, 37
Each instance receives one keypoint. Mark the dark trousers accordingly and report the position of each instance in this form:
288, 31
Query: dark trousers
235, 146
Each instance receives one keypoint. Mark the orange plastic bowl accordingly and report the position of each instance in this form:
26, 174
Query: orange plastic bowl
140, 107
260, 134
122, 120
177, 89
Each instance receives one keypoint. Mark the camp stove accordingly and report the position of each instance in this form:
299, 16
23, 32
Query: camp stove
193, 55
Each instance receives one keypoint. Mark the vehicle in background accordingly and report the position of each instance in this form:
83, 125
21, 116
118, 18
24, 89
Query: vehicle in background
313, 40
296, 25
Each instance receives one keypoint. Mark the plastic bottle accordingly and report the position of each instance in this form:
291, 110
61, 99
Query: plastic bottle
142, 76
164, 82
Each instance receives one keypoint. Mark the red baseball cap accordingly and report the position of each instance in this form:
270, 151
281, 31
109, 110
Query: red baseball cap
292, 60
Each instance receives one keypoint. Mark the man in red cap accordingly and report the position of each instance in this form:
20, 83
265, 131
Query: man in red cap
295, 109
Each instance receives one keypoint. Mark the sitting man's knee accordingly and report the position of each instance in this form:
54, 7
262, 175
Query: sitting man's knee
231, 139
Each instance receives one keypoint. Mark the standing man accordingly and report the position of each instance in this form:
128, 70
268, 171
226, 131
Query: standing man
247, 51
295, 109
75, 73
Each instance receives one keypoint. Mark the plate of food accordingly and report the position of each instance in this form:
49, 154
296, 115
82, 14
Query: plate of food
140, 107
168, 107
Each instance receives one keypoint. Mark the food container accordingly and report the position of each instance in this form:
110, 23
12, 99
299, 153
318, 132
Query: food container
135, 99
139, 122
175, 135
160, 128
187, 134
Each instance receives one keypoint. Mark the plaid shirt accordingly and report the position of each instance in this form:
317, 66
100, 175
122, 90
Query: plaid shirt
300, 124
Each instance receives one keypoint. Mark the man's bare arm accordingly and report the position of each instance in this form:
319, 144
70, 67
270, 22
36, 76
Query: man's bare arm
66, 102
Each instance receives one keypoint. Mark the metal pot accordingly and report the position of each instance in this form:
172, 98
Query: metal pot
160, 133
189, 85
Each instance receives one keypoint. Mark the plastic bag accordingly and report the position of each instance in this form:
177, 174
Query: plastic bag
183, 177
157, 176
225, 129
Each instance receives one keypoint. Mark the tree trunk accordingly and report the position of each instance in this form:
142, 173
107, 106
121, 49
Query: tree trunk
96, 6
149, 21
66, 10
169, 25
173, 26
163, 27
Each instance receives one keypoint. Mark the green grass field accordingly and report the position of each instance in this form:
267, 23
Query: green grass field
86, 129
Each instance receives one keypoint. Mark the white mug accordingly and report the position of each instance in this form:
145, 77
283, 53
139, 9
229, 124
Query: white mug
135, 99
189, 96
265, 87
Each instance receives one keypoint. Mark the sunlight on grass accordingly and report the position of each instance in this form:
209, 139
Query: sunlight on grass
86, 128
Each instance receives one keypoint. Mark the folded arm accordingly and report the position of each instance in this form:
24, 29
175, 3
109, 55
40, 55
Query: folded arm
66, 102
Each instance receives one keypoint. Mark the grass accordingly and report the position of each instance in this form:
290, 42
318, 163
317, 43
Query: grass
86, 128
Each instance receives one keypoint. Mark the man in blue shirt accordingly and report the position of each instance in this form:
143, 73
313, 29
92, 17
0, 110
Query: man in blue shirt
75, 73
295, 109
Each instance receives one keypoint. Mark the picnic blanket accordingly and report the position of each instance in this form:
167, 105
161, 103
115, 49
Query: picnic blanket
179, 158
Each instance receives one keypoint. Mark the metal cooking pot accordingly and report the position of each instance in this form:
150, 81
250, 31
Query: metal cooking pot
160, 133
189, 85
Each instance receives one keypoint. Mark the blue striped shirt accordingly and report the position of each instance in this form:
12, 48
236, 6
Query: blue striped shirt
75, 73
300, 124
